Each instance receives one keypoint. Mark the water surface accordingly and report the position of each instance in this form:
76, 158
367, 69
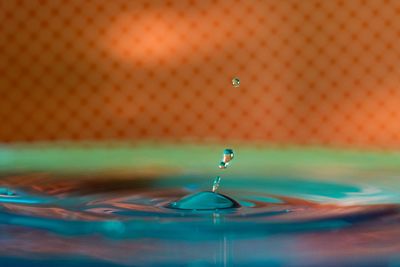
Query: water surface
105, 220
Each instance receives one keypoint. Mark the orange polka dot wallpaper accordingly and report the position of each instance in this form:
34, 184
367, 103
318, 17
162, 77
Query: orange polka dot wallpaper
312, 72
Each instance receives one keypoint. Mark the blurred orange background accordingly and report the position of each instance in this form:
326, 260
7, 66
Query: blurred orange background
312, 72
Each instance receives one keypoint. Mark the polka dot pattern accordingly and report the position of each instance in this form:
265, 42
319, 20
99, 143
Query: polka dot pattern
312, 72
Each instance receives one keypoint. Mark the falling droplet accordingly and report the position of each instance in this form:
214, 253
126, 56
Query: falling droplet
226, 158
236, 82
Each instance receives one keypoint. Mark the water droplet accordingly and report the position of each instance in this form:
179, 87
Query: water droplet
226, 158
236, 82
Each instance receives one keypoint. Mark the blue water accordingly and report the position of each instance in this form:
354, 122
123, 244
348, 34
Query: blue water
87, 220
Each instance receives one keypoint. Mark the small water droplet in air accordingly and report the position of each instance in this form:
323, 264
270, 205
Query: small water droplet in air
226, 158
236, 82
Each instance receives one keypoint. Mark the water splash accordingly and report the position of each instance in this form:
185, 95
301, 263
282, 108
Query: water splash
216, 182
206, 200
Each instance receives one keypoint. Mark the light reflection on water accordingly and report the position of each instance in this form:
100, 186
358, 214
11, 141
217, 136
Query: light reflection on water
105, 221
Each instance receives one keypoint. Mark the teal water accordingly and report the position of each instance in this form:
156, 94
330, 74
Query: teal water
106, 220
